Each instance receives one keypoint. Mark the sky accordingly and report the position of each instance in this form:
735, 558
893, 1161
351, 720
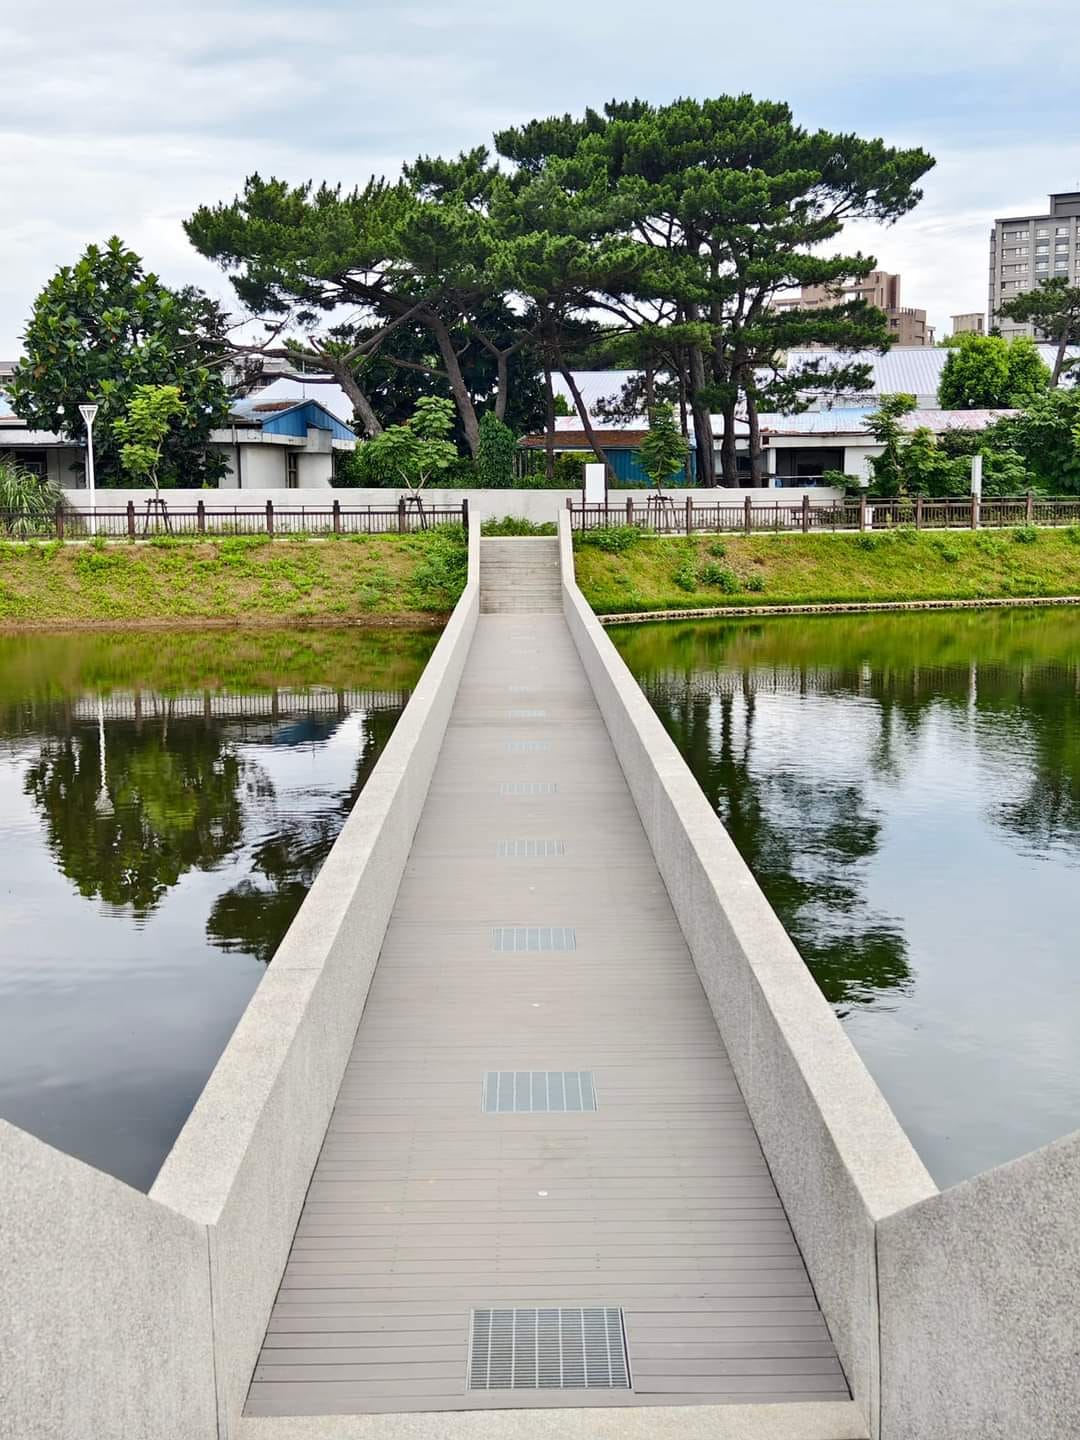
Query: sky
121, 118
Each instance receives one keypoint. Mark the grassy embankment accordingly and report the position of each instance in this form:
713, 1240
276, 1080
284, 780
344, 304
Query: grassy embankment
621, 571
239, 579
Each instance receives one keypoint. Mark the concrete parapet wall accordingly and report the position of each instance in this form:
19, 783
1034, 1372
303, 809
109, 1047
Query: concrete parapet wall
105, 1324
980, 1306
125, 1316
837, 1153
242, 1163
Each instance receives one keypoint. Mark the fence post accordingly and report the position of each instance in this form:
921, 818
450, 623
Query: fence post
1029, 511
269, 517
862, 512
59, 521
464, 514
974, 511
747, 518
629, 510
336, 508
401, 514
131, 519
689, 514
805, 513
918, 512
200, 518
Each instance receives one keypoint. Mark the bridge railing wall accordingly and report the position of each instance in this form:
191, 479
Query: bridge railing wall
105, 1319
840, 1160
123, 1314
980, 1324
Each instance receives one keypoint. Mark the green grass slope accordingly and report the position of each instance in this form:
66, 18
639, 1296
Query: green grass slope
622, 572
237, 579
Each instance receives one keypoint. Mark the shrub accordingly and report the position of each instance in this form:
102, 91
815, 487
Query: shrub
570, 469
1072, 533
718, 549
516, 525
495, 455
719, 577
1025, 535
440, 576
756, 583
615, 539
685, 577
27, 502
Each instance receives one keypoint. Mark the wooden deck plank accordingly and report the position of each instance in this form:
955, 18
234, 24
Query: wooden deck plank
422, 1206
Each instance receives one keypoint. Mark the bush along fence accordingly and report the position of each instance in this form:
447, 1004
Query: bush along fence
665, 514
130, 522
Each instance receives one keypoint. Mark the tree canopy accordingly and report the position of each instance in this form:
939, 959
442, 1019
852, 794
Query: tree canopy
986, 372
101, 329
1053, 307
671, 229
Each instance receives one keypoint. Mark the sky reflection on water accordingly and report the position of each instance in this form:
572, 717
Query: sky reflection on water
906, 789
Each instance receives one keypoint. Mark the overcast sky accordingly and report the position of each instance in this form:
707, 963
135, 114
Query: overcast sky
122, 117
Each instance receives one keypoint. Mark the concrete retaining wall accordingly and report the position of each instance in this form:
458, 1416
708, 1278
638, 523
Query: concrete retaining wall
105, 1323
980, 1306
535, 505
838, 1156
120, 1313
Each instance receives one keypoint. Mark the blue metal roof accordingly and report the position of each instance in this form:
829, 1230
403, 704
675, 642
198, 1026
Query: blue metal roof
295, 420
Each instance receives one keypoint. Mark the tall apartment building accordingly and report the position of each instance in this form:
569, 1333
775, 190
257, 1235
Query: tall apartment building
971, 323
1025, 249
880, 289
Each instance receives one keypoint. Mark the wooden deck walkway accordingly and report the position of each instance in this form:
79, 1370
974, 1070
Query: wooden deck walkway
532, 934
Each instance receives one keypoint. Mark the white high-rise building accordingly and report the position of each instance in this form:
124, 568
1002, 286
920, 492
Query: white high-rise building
1026, 249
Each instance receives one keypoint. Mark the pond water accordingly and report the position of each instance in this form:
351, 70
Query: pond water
165, 802
906, 788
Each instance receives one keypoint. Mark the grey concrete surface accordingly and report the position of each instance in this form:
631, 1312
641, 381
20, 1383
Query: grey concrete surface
819, 1420
104, 1306
980, 1306
242, 1163
838, 1156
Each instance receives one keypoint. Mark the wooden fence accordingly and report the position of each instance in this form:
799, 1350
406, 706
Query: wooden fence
130, 522
671, 515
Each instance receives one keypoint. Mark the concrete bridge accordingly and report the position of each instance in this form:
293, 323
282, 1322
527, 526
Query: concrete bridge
537, 1125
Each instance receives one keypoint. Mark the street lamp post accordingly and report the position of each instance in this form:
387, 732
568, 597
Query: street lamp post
89, 415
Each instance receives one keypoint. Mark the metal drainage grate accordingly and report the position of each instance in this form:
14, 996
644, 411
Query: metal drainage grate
527, 714
528, 787
533, 937
529, 849
538, 1092
569, 1348
524, 747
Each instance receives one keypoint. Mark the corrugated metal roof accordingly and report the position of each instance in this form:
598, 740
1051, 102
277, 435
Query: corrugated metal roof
325, 393
285, 417
905, 369
843, 421
594, 385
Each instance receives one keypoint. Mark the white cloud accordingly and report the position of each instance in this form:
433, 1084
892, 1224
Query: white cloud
122, 118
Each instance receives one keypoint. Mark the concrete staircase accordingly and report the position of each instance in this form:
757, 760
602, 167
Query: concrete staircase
519, 574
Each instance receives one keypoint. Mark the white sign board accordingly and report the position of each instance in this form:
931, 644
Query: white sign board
976, 476
595, 485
